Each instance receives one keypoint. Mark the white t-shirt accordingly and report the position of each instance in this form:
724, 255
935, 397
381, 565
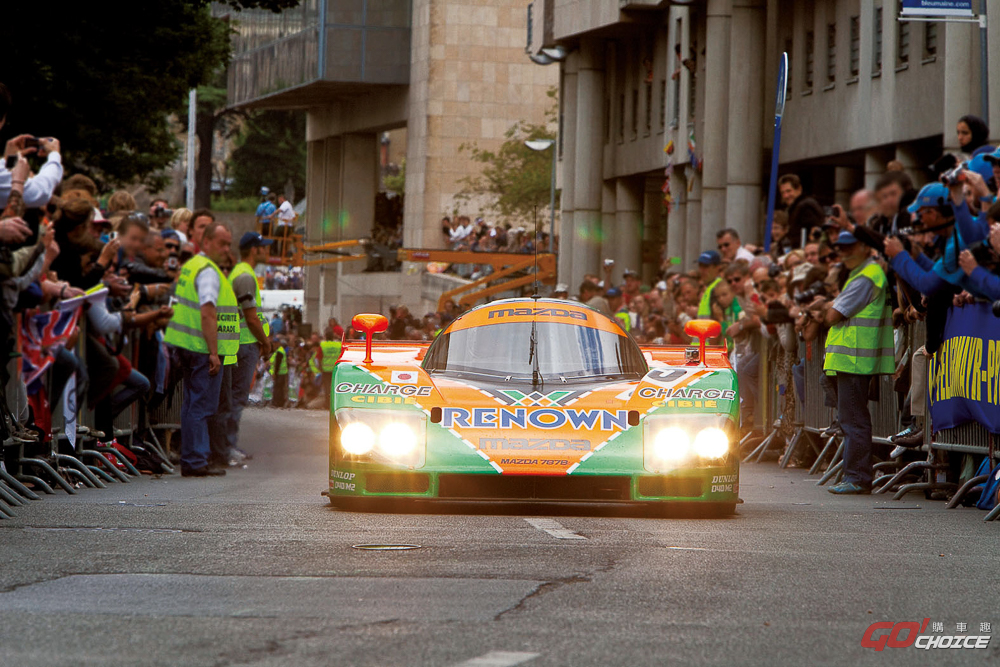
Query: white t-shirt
207, 284
285, 213
743, 253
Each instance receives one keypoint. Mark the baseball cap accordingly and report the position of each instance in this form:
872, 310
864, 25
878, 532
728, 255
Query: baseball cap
613, 293
981, 166
561, 287
710, 258
253, 239
630, 272
932, 194
993, 157
845, 238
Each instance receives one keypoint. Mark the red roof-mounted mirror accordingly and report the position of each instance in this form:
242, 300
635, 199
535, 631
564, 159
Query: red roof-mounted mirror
369, 324
702, 330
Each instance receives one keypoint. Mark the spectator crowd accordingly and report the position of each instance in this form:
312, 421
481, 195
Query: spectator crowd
108, 308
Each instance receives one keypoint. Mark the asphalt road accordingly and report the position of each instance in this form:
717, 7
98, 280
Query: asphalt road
257, 569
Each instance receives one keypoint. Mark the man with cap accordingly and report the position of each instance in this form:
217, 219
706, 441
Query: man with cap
632, 285
859, 345
709, 270
254, 333
616, 304
592, 295
561, 291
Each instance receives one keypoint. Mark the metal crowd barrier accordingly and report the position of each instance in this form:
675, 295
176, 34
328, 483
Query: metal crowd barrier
70, 459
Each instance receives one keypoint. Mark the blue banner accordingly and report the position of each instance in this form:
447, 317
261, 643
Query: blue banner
963, 377
937, 8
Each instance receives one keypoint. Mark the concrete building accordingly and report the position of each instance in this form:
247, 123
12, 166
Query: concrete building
448, 71
642, 75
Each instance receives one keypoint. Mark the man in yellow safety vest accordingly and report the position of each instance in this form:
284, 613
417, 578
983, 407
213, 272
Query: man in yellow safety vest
859, 346
254, 332
205, 327
330, 348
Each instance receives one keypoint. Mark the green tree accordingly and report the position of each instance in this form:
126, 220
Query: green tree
270, 151
397, 183
105, 78
515, 179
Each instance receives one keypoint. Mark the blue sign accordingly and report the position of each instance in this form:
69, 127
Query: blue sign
963, 376
937, 8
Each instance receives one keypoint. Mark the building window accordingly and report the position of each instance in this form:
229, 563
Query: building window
663, 104
649, 107
621, 118
903, 43
607, 120
635, 113
877, 59
855, 45
810, 58
788, 74
831, 52
930, 39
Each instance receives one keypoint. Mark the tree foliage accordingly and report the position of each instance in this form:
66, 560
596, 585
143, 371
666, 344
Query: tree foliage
270, 151
105, 78
515, 180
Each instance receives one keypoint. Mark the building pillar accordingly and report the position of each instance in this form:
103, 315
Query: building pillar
844, 184
875, 161
323, 186
912, 164
609, 226
677, 218
359, 185
993, 48
716, 119
628, 226
652, 230
588, 178
961, 90
746, 115
567, 102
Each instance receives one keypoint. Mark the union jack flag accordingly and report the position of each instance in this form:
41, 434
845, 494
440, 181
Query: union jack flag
41, 331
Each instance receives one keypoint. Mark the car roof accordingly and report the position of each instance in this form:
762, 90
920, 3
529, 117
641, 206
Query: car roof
559, 311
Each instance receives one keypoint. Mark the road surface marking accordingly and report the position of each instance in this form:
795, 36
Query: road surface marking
555, 529
499, 659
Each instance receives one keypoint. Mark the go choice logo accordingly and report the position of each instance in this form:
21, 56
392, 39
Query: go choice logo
910, 633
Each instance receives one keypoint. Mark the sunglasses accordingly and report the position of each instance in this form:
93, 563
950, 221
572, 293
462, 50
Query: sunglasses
734, 281
173, 246
826, 259
722, 245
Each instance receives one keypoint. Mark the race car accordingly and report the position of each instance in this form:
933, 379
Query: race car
537, 400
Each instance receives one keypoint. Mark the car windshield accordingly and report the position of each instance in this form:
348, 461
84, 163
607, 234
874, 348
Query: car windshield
564, 351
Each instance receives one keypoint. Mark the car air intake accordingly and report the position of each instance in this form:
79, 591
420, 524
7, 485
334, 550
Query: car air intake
653, 487
406, 482
524, 487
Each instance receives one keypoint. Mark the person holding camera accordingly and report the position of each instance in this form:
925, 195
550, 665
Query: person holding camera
859, 345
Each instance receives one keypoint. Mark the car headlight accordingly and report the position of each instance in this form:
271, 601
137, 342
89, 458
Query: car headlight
672, 444
685, 441
383, 436
711, 443
357, 438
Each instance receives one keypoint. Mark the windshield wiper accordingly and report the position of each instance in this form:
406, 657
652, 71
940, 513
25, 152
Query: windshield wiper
536, 375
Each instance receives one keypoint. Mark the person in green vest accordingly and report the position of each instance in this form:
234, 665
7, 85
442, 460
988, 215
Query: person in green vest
330, 349
859, 345
279, 373
254, 334
205, 328
709, 270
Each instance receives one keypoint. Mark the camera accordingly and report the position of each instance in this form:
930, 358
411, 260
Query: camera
609, 262
818, 288
777, 313
161, 212
954, 175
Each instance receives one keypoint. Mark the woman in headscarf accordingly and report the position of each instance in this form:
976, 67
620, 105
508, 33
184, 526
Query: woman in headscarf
973, 133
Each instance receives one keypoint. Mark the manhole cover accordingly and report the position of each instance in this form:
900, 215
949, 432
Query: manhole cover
385, 547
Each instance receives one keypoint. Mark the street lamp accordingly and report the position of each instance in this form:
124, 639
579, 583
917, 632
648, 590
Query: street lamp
541, 145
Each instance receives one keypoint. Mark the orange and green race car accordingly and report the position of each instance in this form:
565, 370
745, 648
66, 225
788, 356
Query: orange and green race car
534, 400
